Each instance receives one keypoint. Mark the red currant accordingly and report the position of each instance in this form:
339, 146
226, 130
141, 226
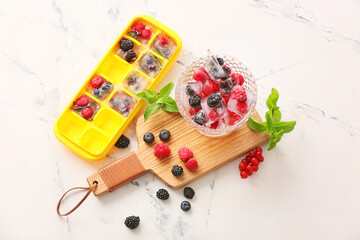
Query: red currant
242, 166
255, 161
250, 173
258, 154
244, 174
261, 159
258, 149
249, 168
248, 158
255, 168
252, 154
245, 161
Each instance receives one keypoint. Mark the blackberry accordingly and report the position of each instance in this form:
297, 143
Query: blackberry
177, 170
126, 44
226, 69
162, 194
152, 67
227, 86
132, 222
130, 56
148, 137
132, 80
106, 87
185, 206
189, 91
189, 192
220, 60
200, 118
195, 101
164, 135
213, 100
123, 142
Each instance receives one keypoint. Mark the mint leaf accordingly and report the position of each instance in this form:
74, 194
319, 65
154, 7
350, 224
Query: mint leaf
272, 142
144, 96
256, 126
169, 107
269, 123
150, 110
152, 96
285, 126
272, 99
276, 115
166, 90
278, 135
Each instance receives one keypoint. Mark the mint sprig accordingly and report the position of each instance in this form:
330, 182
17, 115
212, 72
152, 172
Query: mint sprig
273, 124
160, 100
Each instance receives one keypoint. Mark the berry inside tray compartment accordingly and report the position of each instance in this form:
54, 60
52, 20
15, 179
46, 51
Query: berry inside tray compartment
105, 104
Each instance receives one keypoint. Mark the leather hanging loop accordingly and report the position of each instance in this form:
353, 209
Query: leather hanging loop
90, 189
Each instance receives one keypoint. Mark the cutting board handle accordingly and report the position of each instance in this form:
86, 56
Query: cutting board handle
117, 173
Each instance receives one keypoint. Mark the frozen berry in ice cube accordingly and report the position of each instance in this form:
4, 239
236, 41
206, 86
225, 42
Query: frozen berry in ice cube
97, 81
82, 101
87, 112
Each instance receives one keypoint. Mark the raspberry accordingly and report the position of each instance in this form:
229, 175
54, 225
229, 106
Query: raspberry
97, 81
226, 98
87, 112
239, 79
145, 34
138, 27
161, 150
213, 115
193, 111
195, 101
233, 118
81, 101
239, 93
201, 75
185, 154
163, 41
214, 85
214, 125
208, 89
192, 164
242, 107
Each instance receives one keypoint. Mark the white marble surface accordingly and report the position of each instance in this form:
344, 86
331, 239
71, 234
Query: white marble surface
307, 188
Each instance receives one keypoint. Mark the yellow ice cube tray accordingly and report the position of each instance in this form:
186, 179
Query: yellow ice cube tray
93, 139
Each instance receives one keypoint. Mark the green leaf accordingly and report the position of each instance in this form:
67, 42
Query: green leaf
166, 90
278, 135
270, 127
272, 99
144, 96
285, 126
160, 101
276, 115
171, 101
256, 126
272, 142
169, 107
150, 110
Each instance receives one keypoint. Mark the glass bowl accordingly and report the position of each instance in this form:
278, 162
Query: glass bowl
236, 66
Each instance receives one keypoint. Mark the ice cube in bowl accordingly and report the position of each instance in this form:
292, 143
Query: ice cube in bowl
224, 120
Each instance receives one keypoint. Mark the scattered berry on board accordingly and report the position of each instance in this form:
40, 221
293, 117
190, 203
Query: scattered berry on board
122, 142
250, 163
161, 150
164, 135
177, 170
189, 192
192, 164
185, 206
185, 154
162, 194
132, 222
148, 137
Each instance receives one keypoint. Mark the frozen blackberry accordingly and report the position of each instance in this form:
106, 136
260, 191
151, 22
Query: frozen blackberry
148, 137
200, 118
123, 142
189, 91
132, 222
220, 60
132, 80
185, 206
164, 135
226, 69
130, 56
177, 170
227, 86
189, 192
195, 101
152, 67
126, 44
213, 100
162, 194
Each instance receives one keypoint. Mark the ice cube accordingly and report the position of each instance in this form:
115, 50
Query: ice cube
237, 107
150, 64
164, 46
122, 103
135, 83
226, 86
250, 97
193, 88
215, 113
214, 69
90, 104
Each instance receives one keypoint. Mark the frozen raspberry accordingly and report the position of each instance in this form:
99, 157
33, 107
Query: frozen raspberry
233, 118
138, 27
214, 85
208, 88
163, 41
87, 112
239, 93
226, 98
214, 125
242, 107
185, 154
239, 79
193, 111
161, 150
82, 101
213, 115
201, 75
97, 81
192, 164
145, 34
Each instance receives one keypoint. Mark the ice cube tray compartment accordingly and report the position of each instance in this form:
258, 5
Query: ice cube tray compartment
93, 139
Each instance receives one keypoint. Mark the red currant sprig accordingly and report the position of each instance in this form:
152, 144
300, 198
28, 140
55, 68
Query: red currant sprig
251, 162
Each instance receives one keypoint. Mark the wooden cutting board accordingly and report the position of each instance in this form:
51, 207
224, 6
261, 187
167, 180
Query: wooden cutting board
210, 152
